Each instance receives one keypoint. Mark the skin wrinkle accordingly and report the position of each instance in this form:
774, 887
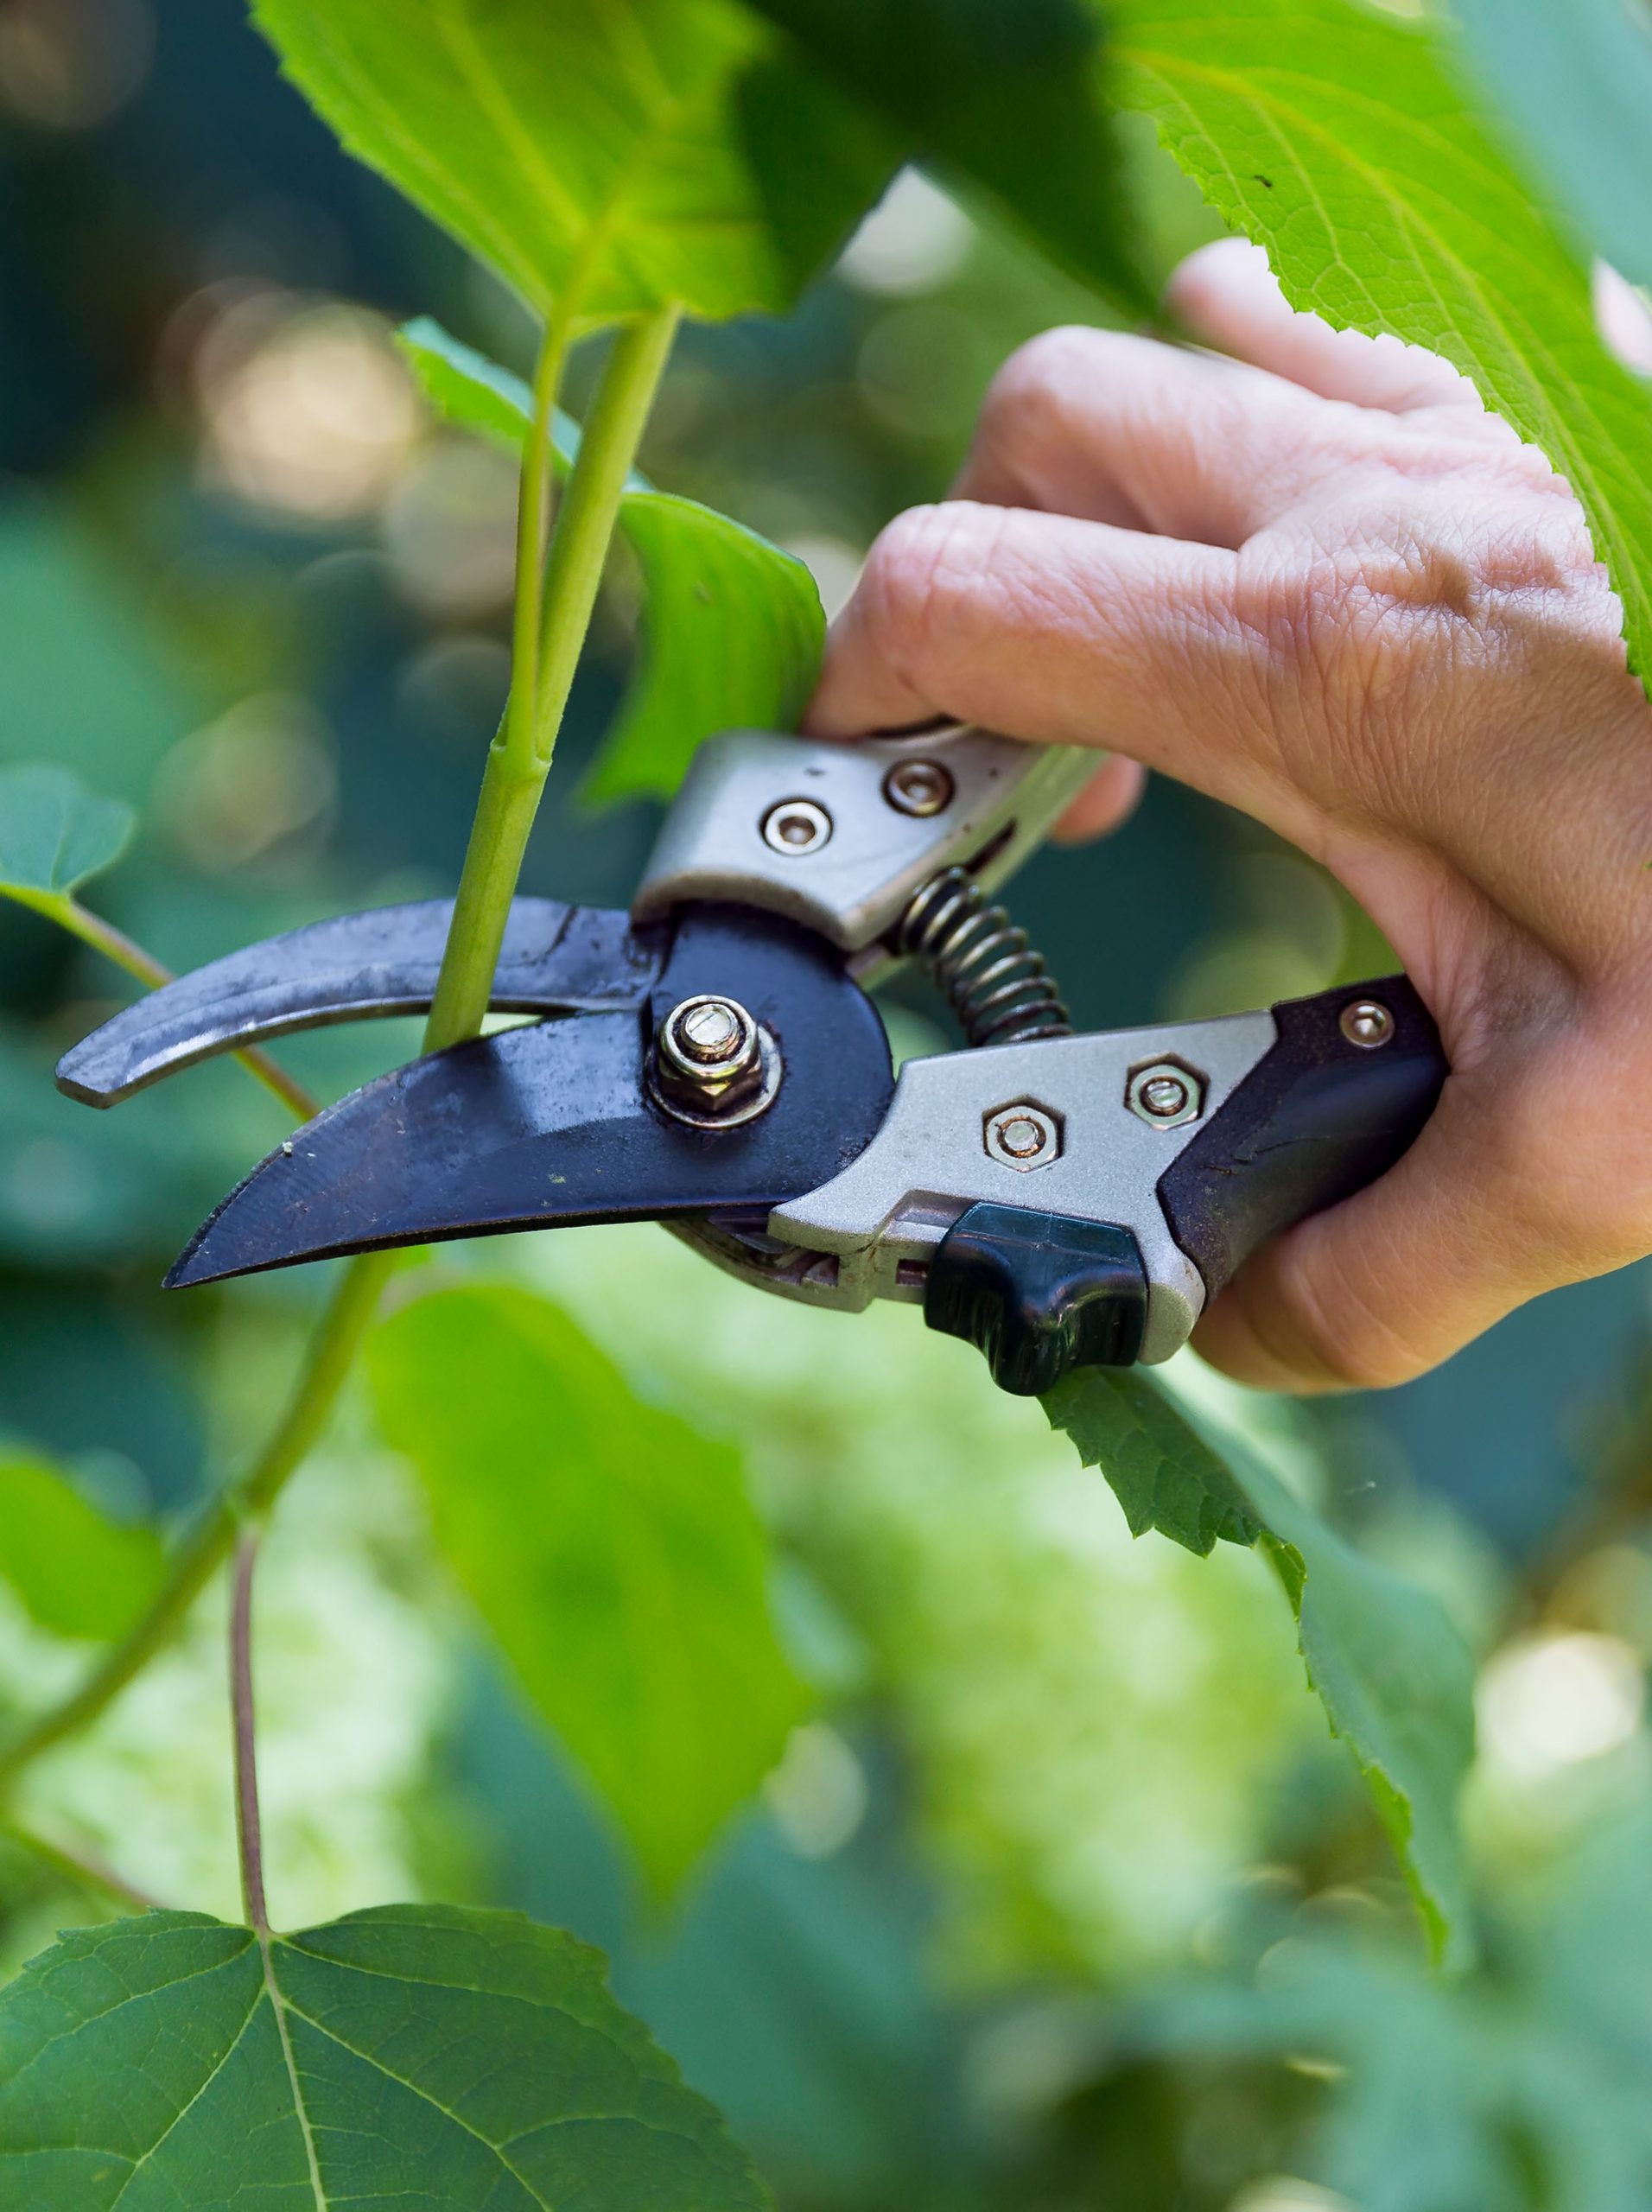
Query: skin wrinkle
1412, 666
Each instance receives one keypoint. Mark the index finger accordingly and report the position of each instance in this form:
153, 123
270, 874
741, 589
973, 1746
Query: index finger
1061, 631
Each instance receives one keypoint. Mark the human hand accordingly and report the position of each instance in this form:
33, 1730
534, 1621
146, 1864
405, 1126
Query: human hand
1321, 583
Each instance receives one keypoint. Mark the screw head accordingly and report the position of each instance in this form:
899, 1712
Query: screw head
1367, 1023
1022, 1136
795, 827
708, 1029
919, 787
712, 1064
1165, 1094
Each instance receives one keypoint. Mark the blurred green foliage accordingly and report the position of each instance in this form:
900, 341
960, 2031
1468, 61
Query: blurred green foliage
77, 1572
53, 836
1574, 84
1061, 1896
610, 1549
1395, 1677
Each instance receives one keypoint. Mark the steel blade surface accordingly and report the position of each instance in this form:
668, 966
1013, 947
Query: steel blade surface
550, 1124
556, 958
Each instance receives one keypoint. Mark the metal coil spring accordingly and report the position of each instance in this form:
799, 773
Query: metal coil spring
997, 985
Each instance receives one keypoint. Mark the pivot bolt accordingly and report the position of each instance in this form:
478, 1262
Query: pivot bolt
920, 787
709, 1030
713, 1066
1366, 1022
1022, 1136
797, 826
1165, 1094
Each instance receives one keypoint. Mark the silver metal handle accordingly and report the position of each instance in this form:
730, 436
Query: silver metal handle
1095, 1153
841, 836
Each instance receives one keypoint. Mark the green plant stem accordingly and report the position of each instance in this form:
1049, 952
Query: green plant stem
116, 945
533, 524
84, 1868
504, 814
579, 546
515, 774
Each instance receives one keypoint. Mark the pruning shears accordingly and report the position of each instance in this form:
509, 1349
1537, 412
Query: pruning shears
712, 1060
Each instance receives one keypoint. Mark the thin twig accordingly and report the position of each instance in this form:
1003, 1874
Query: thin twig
248, 1827
80, 1866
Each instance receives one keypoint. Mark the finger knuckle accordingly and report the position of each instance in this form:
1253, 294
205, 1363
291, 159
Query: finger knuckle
1359, 624
1043, 368
1029, 403
923, 568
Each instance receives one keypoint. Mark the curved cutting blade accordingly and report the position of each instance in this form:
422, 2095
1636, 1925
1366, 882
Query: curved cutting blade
556, 959
551, 1124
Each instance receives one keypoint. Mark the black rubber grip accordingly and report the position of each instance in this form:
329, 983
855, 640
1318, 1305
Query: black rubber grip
1320, 1116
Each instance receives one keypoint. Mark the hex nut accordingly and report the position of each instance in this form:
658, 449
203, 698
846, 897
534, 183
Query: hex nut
709, 1061
1022, 1136
1165, 1094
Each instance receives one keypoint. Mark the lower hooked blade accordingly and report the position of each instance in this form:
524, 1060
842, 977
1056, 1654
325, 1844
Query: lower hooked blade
556, 958
538, 1127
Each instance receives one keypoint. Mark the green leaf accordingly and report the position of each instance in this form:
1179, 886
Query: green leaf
1163, 1474
1337, 138
597, 155
417, 2056
610, 1547
1012, 100
1577, 82
732, 628
465, 387
77, 1572
731, 638
1395, 1677
54, 835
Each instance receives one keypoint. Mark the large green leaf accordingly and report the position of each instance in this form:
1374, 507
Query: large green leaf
1339, 139
1010, 99
610, 1547
600, 153
1575, 78
77, 1572
415, 2056
54, 835
731, 629
1395, 1678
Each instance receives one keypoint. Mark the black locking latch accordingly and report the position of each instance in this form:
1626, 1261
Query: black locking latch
1039, 1294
